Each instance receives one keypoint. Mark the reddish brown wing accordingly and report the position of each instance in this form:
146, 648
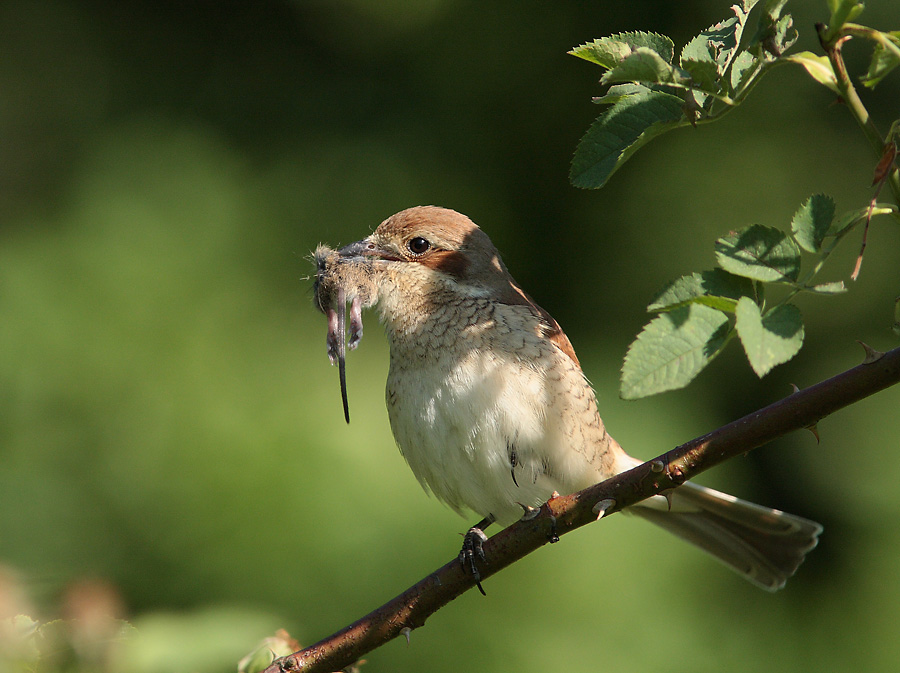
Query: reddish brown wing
549, 327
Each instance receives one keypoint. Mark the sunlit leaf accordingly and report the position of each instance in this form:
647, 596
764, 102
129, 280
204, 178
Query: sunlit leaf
715, 288
620, 132
619, 91
812, 220
704, 75
771, 339
851, 218
884, 60
819, 68
835, 287
643, 65
719, 43
743, 66
759, 252
609, 51
672, 349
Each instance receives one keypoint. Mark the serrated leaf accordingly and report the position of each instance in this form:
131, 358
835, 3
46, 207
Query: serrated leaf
884, 60
704, 75
672, 349
620, 132
759, 252
818, 67
811, 222
643, 65
715, 44
743, 66
771, 339
619, 91
829, 288
785, 33
715, 288
718, 43
605, 52
610, 51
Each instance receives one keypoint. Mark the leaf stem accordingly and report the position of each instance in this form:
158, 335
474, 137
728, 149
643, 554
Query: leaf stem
832, 47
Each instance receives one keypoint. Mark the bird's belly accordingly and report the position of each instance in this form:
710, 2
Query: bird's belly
478, 439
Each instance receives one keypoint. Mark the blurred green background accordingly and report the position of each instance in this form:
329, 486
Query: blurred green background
170, 428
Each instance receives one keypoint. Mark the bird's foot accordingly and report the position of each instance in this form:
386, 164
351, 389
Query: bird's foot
473, 548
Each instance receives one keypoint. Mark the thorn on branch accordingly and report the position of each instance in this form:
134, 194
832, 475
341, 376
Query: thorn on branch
872, 355
406, 631
668, 496
814, 428
529, 512
603, 507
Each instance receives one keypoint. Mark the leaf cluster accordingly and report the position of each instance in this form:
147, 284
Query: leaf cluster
651, 93
698, 314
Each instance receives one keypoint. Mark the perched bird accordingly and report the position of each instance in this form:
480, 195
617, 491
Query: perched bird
489, 405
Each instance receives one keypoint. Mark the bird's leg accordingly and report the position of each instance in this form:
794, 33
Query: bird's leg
473, 546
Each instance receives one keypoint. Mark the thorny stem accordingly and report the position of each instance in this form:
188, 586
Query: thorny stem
410, 609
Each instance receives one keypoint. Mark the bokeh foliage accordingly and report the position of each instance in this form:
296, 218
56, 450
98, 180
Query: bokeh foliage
169, 422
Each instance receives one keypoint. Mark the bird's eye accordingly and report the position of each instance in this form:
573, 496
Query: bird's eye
418, 245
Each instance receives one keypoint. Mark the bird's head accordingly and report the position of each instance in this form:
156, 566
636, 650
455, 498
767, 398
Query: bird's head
429, 250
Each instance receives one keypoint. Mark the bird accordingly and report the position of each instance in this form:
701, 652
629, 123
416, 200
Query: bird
489, 405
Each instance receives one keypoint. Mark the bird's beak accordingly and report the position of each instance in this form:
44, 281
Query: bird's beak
365, 248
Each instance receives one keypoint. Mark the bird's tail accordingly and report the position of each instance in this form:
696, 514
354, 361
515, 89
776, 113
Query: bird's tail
764, 545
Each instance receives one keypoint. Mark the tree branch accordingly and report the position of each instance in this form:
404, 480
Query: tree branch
409, 610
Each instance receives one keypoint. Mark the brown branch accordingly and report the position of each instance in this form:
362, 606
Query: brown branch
409, 610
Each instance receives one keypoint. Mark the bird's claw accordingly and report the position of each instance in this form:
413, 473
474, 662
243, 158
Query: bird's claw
473, 547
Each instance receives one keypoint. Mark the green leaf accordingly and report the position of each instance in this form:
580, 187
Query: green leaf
785, 33
771, 339
620, 132
812, 220
719, 43
744, 65
619, 91
672, 349
715, 288
704, 75
610, 51
829, 288
883, 60
854, 217
759, 252
643, 65
842, 11
773, 8
818, 67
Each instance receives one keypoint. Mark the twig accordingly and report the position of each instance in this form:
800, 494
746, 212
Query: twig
409, 610
832, 45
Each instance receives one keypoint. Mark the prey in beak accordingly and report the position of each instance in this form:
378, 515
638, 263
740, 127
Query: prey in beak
343, 276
